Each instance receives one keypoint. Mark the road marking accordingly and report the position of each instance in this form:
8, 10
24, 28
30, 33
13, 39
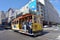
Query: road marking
10, 30
58, 38
2, 31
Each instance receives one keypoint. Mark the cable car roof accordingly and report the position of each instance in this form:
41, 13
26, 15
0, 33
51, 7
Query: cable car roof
23, 16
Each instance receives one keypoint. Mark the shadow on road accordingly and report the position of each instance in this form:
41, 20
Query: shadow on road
43, 33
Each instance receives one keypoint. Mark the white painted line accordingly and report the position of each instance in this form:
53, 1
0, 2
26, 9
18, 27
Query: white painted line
58, 38
2, 31
9, 30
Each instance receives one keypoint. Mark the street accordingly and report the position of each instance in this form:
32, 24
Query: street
10, 35
30, 20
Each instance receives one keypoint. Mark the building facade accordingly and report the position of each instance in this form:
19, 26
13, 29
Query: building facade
44, 8
40, 7
51, 14
2, 17
10, 14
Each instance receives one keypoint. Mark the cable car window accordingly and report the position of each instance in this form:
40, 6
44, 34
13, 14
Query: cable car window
25, 18
30, 17
35, 19
22, 20
12, 22
17, 22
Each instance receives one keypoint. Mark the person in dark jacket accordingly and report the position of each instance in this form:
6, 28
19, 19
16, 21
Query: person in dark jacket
29, 28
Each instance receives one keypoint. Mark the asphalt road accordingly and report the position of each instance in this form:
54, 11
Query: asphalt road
10, 35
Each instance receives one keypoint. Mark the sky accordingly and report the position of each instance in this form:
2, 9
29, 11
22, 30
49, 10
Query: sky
56, 4
17, 4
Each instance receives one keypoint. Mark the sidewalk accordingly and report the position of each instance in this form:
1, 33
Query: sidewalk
52, 28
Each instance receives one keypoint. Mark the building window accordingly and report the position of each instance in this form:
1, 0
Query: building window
42, 14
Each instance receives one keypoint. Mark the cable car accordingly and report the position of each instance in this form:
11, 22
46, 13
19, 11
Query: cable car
28, 24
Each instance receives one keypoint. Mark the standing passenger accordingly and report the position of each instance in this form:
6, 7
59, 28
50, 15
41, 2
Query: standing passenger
24, 27
30, 26
27, 25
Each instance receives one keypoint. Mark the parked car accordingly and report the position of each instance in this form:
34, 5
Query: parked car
7, 27
45, 26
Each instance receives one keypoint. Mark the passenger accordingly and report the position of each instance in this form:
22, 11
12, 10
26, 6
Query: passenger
27, 25
14, 26
24, 27
30, 26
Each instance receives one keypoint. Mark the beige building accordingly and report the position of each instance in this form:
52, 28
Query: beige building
9, 14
